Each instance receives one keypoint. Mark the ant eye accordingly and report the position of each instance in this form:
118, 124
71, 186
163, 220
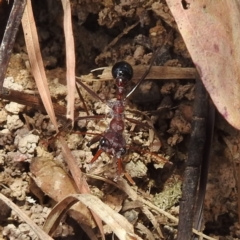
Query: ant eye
122, 69
104, 143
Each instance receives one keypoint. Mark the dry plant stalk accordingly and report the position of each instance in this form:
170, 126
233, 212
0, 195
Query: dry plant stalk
123, 185
119, 224
37, 230
78, 178
70, 58
35, 58
31, 39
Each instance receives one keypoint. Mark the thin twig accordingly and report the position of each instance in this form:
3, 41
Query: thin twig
33, 101
205, 166
115, 40
156, 73
9, 37
195, 155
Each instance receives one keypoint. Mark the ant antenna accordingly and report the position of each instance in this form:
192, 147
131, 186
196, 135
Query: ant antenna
155, 54
144, 75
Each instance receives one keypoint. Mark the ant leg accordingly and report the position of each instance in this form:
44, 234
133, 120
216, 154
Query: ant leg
92, 93
160, 51
120, 171
94, 140
99, 152
82, 99
141, 124
119, 166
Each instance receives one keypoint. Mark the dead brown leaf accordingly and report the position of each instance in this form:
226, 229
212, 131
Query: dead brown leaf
78, 178
57, 185
211, 33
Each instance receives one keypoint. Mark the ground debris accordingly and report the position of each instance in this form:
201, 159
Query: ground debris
160, 115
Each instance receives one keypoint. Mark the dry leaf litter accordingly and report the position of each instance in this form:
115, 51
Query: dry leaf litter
25, 131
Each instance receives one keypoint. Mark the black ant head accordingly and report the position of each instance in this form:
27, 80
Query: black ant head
122, 70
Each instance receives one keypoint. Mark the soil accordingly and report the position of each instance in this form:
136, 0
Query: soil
26, 133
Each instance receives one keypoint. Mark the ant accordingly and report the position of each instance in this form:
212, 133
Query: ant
112, 141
